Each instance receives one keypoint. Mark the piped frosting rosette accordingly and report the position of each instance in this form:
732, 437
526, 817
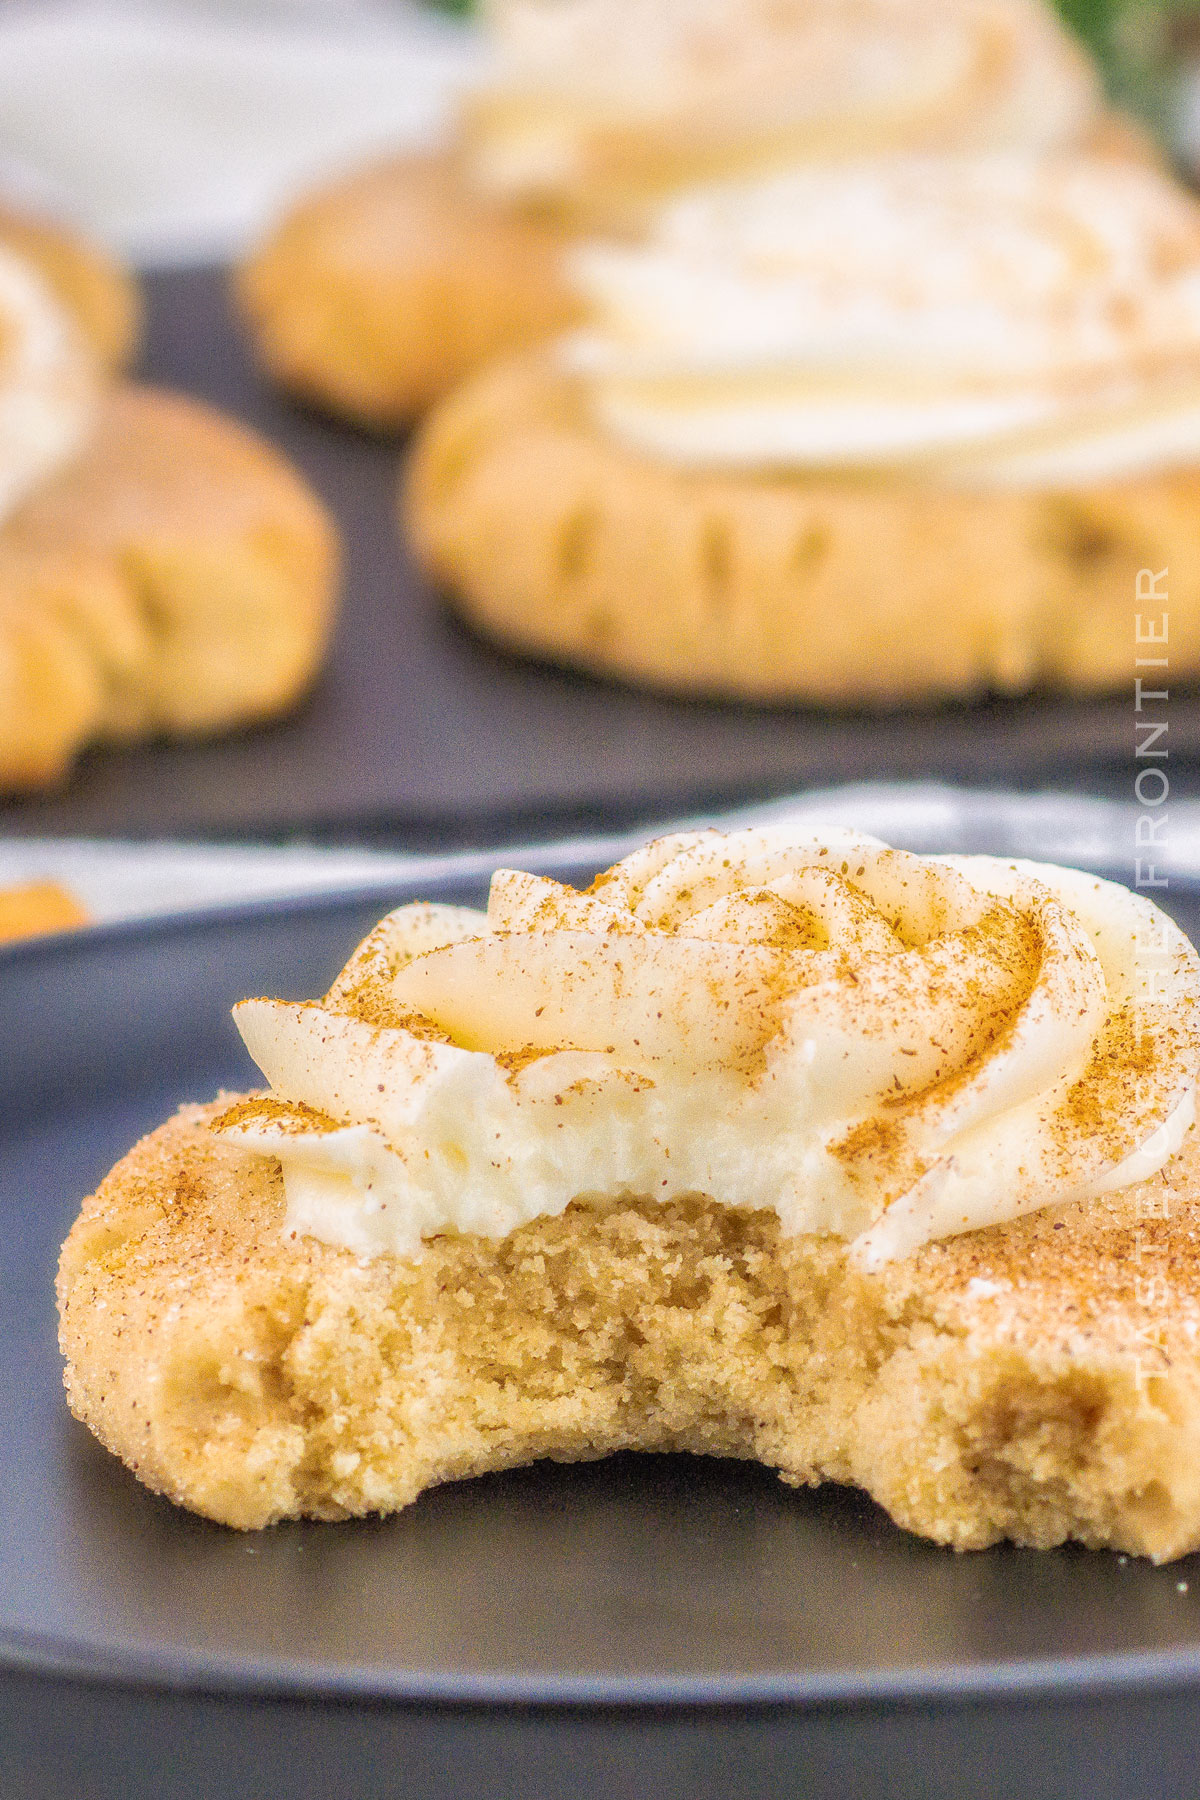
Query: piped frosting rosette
875, 1045
49, 385
596, 103
993, 321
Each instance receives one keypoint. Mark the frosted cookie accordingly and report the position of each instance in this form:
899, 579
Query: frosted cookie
882, 433
99, 294
382, 290
161, 568
877, 1169
601, 108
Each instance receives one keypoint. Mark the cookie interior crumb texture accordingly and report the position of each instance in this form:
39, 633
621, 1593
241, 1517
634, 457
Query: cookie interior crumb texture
1036, 1381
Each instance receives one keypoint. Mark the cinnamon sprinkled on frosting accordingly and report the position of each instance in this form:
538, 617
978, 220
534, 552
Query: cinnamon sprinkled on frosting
883, 1046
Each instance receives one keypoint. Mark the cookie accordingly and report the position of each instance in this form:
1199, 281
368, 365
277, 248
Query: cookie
381, 291
1035, 1381
99, 294
791, 457
377, 294
560, 543
177, 578
875, 1168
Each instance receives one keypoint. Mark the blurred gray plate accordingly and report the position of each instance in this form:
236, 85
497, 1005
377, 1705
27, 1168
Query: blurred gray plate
420, 729
631, 1627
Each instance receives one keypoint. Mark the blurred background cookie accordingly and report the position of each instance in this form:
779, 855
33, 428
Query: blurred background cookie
377, 294
101, 296
885, 432
418, 722
161, 568
385, 288
177, 577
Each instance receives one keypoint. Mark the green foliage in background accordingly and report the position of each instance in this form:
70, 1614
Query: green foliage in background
1139, 44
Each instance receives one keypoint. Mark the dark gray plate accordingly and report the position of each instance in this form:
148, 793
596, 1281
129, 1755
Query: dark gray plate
421, 730
615, 1628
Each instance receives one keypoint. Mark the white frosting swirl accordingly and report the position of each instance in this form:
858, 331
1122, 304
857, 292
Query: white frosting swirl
48, 383
873, 1044
597, 102
995, 320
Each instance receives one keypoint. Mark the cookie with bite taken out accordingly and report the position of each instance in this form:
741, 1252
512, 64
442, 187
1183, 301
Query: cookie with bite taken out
873, 1168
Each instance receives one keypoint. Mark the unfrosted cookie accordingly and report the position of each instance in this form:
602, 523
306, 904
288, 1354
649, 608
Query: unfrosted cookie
177, 577
380, 292
557, 540
100, 295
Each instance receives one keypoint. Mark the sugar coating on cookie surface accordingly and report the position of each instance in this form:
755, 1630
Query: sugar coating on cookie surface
177, 577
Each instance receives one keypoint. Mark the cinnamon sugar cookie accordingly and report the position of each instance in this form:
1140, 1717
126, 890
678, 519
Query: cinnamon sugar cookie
490, 1212
562, 543
893, 432
252, 1378
378, 293
99, 294
176, 577
161, 568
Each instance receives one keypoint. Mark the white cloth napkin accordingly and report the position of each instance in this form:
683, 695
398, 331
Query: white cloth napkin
122, 880
176, 129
